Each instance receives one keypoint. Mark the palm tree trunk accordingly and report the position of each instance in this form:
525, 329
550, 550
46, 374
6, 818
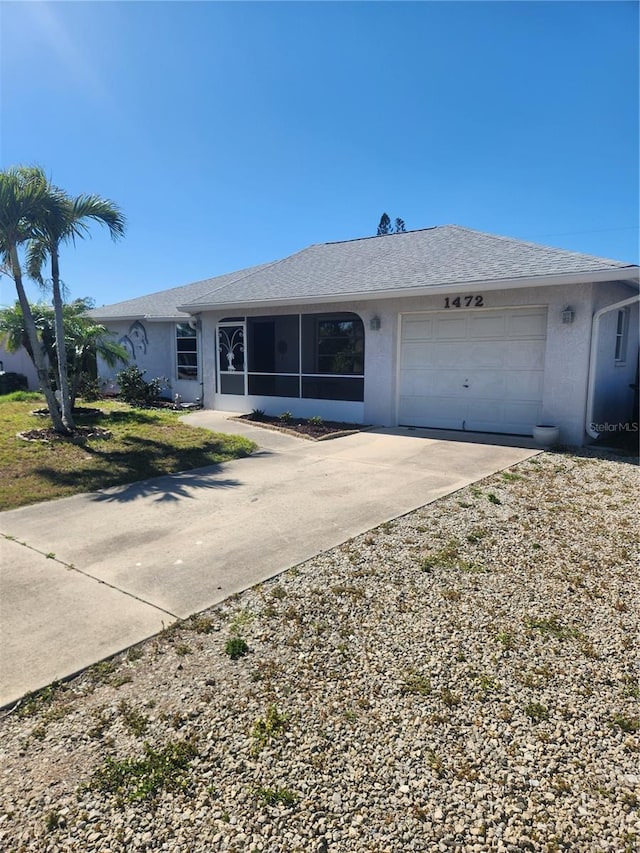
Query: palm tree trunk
63, 379
38, 355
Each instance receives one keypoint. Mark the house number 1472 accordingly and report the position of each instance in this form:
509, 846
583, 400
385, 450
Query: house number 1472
464, 302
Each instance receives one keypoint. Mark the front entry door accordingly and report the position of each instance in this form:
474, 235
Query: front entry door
232, 363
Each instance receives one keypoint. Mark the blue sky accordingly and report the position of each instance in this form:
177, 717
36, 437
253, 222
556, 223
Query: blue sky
236, 133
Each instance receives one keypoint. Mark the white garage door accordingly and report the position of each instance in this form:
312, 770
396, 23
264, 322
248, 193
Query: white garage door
473, 370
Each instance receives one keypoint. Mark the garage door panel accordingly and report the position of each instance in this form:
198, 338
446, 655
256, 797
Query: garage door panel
523, 385
519, 411
416, 354
484, 354
429, 383
487, 326
441, 410
419, 328
450, 326
484, 411
475, 371
528, 355
485, 384
527, 324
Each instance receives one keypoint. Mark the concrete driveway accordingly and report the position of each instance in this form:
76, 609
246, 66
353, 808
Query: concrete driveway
84, 577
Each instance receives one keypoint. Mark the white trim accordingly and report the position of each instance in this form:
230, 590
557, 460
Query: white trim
396, 413
593, 358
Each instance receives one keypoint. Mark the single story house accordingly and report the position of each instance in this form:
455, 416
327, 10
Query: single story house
444, 327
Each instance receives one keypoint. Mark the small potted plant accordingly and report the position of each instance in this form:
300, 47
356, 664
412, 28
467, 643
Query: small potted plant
546, 435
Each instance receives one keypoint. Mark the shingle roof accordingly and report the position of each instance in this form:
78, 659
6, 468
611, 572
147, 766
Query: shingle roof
446, 254
163, 304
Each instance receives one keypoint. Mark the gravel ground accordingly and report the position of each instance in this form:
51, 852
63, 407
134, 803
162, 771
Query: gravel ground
464, 678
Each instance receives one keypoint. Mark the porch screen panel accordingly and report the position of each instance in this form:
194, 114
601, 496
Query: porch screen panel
266, 385
333, 356
231, 356
333, 388
273, 356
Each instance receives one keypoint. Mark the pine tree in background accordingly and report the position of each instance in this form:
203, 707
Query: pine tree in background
385, 226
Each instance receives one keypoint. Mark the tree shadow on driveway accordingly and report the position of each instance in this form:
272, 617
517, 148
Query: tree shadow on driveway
172, 487
141, 468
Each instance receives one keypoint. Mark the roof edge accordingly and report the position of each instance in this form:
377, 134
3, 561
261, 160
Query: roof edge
433, 290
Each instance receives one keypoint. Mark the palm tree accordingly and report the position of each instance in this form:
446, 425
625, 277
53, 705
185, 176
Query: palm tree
84, 339
24, 199
65, 219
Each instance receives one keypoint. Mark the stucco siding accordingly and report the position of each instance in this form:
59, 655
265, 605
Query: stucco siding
19, 362
152, 348
566, 355
613, 398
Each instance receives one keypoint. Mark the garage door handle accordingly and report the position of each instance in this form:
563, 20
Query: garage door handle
465, 384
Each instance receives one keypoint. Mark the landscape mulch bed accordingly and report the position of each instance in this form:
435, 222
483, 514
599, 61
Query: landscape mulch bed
79, 434
303, 428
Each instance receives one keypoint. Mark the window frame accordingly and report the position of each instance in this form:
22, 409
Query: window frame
621, 336
191, 336
350, 385
357, 335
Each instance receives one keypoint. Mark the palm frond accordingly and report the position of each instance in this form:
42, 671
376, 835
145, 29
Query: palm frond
35, 257
100, 210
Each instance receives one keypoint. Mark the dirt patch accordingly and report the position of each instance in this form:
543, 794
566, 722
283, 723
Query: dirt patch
80, 434
78, 412
303, 427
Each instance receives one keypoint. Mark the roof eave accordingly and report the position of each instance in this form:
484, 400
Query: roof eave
613, 274
114, 318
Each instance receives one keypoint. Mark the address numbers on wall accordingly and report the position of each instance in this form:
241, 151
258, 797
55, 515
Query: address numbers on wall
464, 302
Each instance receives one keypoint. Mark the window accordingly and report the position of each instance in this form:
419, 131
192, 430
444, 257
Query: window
186, 351
340, 347
622, 326
316, 356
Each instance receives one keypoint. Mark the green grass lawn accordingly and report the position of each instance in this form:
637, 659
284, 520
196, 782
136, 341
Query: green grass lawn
144, 443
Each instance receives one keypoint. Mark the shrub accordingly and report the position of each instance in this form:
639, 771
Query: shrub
272, 725
236, 648
143, 778
10, 382
89, 388
135, 390
277, 796
286, 417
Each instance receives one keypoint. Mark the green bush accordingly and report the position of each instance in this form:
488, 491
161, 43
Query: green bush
10, 382
236, 648
89, 388
135, 390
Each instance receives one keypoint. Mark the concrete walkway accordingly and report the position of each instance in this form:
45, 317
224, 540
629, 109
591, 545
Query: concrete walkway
84, 577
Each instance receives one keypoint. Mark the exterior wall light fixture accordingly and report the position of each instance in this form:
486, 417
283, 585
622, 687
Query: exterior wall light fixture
374, 323
568, 315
